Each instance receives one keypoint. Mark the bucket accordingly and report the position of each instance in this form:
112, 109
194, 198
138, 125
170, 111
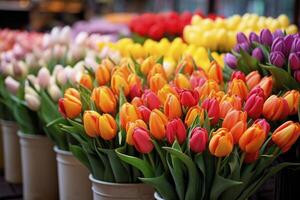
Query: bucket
157, 196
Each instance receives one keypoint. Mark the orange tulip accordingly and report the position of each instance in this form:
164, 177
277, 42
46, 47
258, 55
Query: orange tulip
207, 88
252, 139
217, 95
286, 135
130, 128
182, 82
118, 83
104, 99
192, 113
91, 123
129, 113
156, 82
123, 69
147, 65
73, 92
221, 143
165, 91
236, 122
102, 75
70, 106
108, 63
172, 107
157, 69
157, 124
275, 108
267, 85
238, 87
292, 97
86, 81
186, 65
137, 102
215, 72
229, 103
253, 79
107, 127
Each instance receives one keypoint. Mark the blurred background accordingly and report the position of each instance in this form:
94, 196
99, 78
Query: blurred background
41, 15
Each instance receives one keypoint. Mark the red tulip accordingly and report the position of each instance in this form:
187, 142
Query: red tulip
142, 141
213, 109
145, 112
150, 100
175, 129
198, 140
238, 75
254, 106
189, 98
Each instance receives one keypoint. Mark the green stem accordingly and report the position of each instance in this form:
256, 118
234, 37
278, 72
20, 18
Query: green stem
151, 160
242, 159
218, 165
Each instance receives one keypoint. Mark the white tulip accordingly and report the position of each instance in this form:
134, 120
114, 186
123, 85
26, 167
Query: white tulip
43, 77
33, 102
81, 39
12, 85
54, 92
65, 35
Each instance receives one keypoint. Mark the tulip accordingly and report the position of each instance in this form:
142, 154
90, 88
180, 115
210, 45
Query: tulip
107, 127
277, 58
145, 112
242, 46
20, 69
91, 123
131, 126
295, 46
286, 135
102, 75
172, 107
186, 65
238, 75
215, 72
86, 81
292, 97
12, 85
147, 65
61, 76
278, 45
142, 141
33, 102
230, 60
267, 85
228, 103
157, 69
221, 143
213, 109
207, 88
254, 105
54, 92
252, 139
251, 157
165, 91
118, 83
241, 37
278, 34
275, 108
69, 106
157, 124
191, 115
263, 124
43, 77
253, 37
258, 91
189, 98
294, 61
175, 129
181, 81
150, 100
137, 101
128, 113
104, 99
135, 85
236, 122
73, 92
198, 78
258, 54
198, 140
266, 37
288, 41
239, 88
297, 75
252, 79
156, 82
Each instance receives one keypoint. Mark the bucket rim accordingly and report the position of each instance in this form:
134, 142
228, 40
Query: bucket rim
62, 152
114, 184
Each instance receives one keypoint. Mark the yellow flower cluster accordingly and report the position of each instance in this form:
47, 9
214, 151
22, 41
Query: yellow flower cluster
221, 33
172, 51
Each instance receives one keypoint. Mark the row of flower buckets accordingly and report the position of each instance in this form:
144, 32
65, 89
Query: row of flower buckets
42, 168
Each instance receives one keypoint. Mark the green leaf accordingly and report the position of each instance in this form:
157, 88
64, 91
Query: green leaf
79, 153
200, 162
160, 60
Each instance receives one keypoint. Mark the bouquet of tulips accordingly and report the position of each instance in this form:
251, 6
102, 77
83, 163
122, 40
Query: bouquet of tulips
189, 135
276, 54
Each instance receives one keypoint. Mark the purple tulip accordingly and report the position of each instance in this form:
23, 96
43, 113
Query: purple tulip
278, 45
241, 38
277, 59
294, 61
244, 46
258, 54
297, 75
266, 37
288, 41
230, 60
253, 37
278, 33
296, 45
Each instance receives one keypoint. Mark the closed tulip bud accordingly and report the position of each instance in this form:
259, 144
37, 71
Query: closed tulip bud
207, 88
157, 69
288, 41
145, 112
258, 54
267, 85
230, 60
239, 88
131, 126
142, 141
157, 124
32, 101
175, 129
252, 79
254, 105
73, 92
229, 103
54, 92
198, 78
172, 107
236, 122
147, 65
241, 37
221, 143
61, 77
257, 91
107, 127
118, 83
137, 101
91, 123
251, 157
104, 99
242, 46
253, 37
297, 75
278, 34
286, 135
275, 108
181, 81
238, 75
165, 91
129, 113
86, 81
277, 58
43, 77
102, 75
266, 37
278, 45
186, 65
252, 139
264, 125
198, 140
294, 61
215, 72
213, 109
70, 106
292, 98
189, 98
295, 45
135, 85
156, 82
150, 100
12, 85
191, 115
